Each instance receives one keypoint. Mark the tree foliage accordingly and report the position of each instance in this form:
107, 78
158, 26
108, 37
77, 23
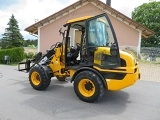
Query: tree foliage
30, 42
0, 43
12, 36
148, 14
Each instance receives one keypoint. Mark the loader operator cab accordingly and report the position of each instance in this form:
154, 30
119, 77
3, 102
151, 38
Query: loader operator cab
91, 41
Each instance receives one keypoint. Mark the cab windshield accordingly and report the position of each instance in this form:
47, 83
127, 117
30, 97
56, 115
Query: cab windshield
99, 33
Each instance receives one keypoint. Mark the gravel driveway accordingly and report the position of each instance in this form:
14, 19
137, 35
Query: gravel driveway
150, 71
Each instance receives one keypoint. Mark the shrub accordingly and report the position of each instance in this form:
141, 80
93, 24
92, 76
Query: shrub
16, 55
29, 55
31, 46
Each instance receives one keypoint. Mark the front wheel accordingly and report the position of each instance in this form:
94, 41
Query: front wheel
88, 86
38, 79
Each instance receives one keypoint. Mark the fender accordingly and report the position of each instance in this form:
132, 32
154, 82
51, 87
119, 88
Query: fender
47, 70
89, 69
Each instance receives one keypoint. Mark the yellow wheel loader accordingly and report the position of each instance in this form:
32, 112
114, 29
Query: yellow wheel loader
90, 56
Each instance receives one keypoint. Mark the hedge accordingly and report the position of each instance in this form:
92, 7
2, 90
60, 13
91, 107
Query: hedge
16, 55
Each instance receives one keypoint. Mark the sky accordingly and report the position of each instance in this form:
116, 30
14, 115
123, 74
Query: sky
27, 12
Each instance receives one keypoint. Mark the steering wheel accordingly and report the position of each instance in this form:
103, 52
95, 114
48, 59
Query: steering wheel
78, 46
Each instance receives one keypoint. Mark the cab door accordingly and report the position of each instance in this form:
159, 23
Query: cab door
102, 42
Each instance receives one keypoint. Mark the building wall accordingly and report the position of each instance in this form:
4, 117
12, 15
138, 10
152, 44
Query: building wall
49, 34
126, 35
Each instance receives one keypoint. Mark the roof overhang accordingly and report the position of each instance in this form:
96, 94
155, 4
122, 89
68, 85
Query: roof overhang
33, 29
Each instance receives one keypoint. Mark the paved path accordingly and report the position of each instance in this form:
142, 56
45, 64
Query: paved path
18, 101
150, 72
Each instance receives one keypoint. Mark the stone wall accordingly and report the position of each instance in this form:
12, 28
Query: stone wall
150, 54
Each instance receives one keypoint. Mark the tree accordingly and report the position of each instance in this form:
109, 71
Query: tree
0, 43
30, 42
148, 14
12, 36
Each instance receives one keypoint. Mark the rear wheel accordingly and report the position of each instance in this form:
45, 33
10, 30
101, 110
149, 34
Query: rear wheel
38, 79
88, 86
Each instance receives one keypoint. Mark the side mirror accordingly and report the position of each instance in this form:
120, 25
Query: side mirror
60, 31
113, 50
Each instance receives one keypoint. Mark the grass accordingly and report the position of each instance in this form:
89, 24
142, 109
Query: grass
29, 49
12, 64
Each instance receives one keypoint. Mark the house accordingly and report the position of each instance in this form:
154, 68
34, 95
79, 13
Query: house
128, 32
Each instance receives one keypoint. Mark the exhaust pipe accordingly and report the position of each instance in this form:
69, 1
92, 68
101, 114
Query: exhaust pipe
108, 2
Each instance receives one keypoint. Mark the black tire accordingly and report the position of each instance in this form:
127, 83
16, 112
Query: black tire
88, 86
61, 78
38, 79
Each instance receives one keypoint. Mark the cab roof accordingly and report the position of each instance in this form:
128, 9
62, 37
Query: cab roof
78, 19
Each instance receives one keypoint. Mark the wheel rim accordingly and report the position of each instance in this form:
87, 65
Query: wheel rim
35, 77
86, 87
